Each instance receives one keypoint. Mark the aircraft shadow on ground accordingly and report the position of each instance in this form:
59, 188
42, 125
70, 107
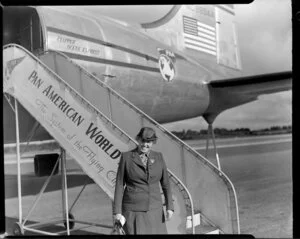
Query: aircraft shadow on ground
31, 184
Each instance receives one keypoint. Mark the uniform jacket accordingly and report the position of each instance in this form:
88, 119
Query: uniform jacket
141, 191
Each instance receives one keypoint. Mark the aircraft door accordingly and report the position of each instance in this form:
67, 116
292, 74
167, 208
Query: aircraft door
21, 25
31, 33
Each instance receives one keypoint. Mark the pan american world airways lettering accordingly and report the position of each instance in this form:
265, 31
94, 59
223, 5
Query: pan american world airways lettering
63, 105
57, 100
92, 131
101, 141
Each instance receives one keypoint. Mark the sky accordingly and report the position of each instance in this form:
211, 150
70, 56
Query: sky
265, 37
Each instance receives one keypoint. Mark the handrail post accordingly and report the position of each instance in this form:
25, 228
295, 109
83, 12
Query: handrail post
64, 189
19, 161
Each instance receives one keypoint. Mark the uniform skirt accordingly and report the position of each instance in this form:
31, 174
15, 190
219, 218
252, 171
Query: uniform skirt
149, 222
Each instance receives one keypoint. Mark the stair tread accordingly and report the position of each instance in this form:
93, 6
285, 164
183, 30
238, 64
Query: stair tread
203, 229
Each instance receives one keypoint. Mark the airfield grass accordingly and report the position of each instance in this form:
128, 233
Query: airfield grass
261, 176
266, 212
264, 189
93, 206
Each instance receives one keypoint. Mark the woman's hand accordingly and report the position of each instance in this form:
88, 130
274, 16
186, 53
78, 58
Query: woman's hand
119, 217
169, 214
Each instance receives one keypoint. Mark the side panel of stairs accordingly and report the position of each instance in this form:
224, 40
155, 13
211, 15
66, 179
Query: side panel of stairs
68, 117
212, 192
87, 135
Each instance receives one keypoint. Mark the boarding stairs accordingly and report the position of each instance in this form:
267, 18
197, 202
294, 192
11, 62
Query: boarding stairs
93, 123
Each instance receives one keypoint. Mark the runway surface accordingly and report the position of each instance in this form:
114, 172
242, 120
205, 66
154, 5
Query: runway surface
259, 167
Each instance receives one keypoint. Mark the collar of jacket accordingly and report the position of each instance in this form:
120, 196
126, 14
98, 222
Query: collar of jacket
137, 160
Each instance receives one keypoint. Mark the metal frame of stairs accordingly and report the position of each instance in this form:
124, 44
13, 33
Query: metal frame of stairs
20, 227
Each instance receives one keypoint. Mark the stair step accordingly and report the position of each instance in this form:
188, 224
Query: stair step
197, 220
205, 229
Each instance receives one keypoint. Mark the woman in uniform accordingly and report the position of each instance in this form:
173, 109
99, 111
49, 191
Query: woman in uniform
141, 171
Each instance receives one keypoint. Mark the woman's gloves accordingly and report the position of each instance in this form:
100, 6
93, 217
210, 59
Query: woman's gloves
119, 217
169, 214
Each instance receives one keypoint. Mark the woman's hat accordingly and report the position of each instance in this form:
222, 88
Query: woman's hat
147, 134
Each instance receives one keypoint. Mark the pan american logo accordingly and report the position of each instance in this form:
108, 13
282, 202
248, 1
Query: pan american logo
10, 66
166, 63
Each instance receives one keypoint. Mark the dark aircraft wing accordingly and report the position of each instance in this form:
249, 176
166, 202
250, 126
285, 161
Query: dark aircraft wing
256, 85
228, 93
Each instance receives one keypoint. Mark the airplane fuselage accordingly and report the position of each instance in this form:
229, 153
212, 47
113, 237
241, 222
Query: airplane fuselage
130, 65
164, 82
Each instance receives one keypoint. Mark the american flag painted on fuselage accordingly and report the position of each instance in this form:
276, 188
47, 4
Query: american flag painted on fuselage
199, 36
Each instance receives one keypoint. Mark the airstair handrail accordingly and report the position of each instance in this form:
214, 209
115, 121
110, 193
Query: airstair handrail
143, 114
189, 198
89, 104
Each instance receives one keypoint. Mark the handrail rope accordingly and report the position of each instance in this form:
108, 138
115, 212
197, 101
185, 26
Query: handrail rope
186, 199
85, 101
8, 100
184, 194
142, 114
